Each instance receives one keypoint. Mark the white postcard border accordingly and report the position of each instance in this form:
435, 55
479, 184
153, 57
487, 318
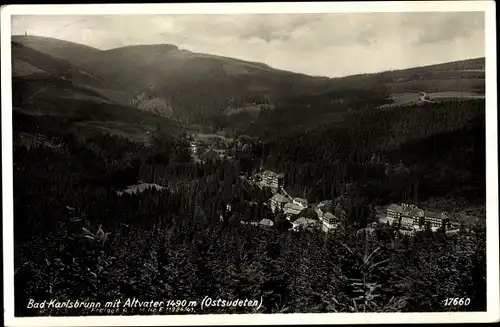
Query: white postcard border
493, 289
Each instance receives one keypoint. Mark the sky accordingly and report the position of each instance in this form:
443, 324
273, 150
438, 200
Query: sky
330, 45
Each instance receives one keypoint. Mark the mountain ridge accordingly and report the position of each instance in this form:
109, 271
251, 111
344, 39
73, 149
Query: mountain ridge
198, 88
427, 66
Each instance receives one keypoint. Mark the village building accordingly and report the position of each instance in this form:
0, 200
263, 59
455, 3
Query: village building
278, 202
266, 223
301, 202
409, 215
304, 223
292, 209
414, 218
330, 221
437, 220
323, 207
271, 179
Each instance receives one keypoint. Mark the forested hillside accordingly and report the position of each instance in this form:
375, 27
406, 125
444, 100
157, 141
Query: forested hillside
169, 243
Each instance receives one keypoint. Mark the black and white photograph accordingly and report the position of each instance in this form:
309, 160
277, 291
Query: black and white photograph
219, 162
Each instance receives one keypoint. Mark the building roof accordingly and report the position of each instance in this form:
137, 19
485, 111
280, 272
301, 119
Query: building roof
329, 215
301, 201
270, 173
406, 209
414, 212
292, 208
266, 222
436, 215
304, 222
280, 198
432, 214
394, 207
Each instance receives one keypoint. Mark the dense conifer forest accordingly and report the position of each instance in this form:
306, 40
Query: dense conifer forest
75, 237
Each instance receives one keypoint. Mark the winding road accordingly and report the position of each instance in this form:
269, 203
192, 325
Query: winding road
424, 97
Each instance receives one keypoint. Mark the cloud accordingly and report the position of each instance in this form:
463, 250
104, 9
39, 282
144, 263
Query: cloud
435, 27
453, 26
319, 44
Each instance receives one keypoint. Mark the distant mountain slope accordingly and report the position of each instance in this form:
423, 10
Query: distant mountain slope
42, 75
458, 80
70, 51
45, 85
464, 75
195, 88
28, 62
197, 85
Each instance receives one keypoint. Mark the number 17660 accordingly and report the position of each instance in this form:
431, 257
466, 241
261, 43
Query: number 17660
455, 301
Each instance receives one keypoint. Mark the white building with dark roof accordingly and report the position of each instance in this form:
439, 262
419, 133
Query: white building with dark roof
409, 215
329, 221
414, 218
437, 220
